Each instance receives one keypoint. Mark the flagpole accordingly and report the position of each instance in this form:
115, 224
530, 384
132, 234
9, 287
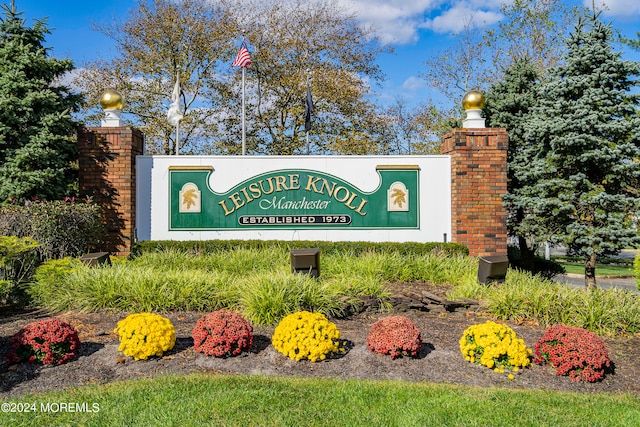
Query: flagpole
243, 60
308, 128
244, 143
178, 138
174, 115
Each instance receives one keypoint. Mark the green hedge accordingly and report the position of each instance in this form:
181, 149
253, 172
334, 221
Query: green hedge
348, 248
61, 228
18, 261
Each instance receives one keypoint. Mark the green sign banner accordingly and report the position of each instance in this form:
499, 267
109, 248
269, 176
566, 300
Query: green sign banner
293, 199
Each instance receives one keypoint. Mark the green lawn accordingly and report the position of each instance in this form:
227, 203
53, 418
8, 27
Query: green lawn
219, 400
601, 269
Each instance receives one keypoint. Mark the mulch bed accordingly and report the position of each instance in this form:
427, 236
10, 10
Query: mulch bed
441, 323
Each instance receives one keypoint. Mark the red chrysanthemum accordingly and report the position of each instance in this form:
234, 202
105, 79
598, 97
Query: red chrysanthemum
396, 336
50, 342
576, 352
221, 334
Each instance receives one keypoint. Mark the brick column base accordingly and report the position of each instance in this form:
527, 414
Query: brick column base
478, 182
107, 162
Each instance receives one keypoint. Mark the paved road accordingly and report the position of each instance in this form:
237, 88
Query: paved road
624, 254
577, 281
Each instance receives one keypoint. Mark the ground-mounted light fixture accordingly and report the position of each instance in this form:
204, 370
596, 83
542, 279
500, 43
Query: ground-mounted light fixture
492, 268
306, 261
94, 259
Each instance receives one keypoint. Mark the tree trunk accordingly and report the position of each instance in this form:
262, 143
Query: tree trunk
526, 255
590, 271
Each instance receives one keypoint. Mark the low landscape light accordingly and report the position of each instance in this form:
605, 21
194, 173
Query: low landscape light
492, 268
96, 258
306, 261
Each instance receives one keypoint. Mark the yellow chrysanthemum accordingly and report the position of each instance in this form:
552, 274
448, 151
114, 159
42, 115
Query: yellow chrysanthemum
306, 335
495, 346
144, 335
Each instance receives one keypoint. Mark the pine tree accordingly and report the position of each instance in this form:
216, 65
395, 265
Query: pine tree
581, 186
633, 43
509, 103
36, 130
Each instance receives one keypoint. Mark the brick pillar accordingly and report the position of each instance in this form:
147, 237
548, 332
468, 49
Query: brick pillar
478, 182
107, 161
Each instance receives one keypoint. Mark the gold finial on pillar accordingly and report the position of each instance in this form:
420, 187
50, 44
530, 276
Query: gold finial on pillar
112, 103
473, 102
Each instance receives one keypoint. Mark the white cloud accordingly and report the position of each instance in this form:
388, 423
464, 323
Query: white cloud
455, 19
399, 21
67, 79
414, 83
395, 21
618, 8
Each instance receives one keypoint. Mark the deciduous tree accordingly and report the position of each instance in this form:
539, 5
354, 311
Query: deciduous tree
531, 30
294, 40
159, 39
289, 41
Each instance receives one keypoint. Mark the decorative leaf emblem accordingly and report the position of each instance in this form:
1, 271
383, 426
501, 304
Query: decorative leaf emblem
399, 197
189, 198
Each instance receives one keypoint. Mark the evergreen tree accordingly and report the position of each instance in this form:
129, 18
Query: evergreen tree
581, 186
633, 43
36, 131
509, 104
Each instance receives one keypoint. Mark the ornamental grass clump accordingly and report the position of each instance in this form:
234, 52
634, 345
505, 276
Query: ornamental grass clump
144, 335
573, 351
306, 335
396, 336
495, 346
222, 333
49, 342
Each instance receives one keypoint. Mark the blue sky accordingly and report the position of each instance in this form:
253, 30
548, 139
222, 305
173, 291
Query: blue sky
417, 29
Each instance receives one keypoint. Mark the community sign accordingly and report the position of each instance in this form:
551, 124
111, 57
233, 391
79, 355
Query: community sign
365, 198
294, 198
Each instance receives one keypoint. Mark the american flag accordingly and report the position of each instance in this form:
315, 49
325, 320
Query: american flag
243, 59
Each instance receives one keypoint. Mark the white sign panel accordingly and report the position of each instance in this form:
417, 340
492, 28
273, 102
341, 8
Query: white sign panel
331, 198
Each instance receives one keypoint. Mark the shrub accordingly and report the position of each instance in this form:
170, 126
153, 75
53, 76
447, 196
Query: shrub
495, 346
268, 296
396, 336
62, 228
221, 334
18, 261
49, 341
573, 351
306, 335
144, 335
405, 249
